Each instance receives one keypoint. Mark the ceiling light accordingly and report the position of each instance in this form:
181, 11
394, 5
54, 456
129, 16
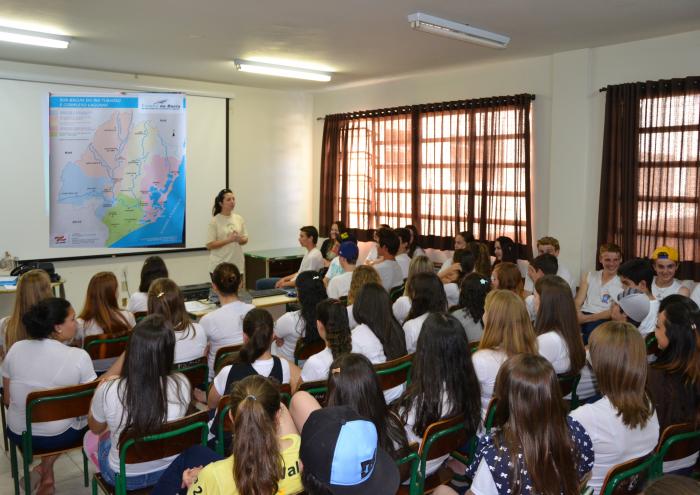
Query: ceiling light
35, 38
457, 30
280, 70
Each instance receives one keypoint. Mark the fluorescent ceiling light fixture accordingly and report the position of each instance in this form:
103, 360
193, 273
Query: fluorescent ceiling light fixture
35, 38
280, 70
457, 30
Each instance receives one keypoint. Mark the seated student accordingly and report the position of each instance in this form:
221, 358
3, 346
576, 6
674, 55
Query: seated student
41, 361
334, 267
224, 326
255, 358
153, 268
558, 334
353, 382
638, 274
463, 265
32, 287
427, 296
118, 404
101, 313
340, 453
632, 306
505, 250
598, 290
461, 241
265, 446
443, 382
388, 269
300, 324
507, 332
333, 238
506, 276
402, 257
402, 305
312, 260
665, 261
339, 286
414, 248
482, 257
674, 379
361, 276
373, 254
544, 264
522, 453
550, 245
334, 329
623, 424
470, 310
165, 298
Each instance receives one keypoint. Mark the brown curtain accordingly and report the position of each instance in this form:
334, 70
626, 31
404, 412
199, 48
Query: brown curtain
444, 167
650, 182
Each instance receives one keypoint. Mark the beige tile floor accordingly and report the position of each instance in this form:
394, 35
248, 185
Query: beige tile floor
68, 470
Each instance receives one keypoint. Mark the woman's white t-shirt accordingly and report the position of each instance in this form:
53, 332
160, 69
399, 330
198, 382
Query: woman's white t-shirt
452, 294
553, 348
224, 327
90, 327
487, 362
33, 365
108, 407
138, 302
400, 308
365, 342
262, 367
404, 261
351, 318
317, 366
220, 227
290, 328
190, 344
412, 329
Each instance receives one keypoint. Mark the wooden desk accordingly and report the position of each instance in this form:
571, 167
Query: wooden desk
58, 289
271, 263
276, 305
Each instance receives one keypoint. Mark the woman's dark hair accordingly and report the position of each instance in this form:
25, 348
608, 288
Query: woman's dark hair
442, 357
101, 304
227, 278
258, 326
472, 296
682, 325
528, 391
466, 235
334, 316
557, 313
153, 268
310, 291
216, 209
372, 307
328, 243
255, 402
508, 248
413, 245
165, 298
312, 485
353, 382
41, 319
427, 295
148, 361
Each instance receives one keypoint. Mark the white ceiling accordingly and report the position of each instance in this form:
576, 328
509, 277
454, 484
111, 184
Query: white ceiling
359, 39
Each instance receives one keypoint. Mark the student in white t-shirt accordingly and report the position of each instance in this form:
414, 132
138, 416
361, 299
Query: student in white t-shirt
558, 333
427, 296
373, 254
665, 283
362, 275
153, 268
225, 325
507, 331
255, 358
402, 257
544, 264
470, 310
623, 424
165, 298
101, 313
312, 260
339, 286
334, 329
402, 305
463, 261
638, 274
388, 269
300, 324
550, 245
125, 402
598, 290
414, 248
461, 241
42, 361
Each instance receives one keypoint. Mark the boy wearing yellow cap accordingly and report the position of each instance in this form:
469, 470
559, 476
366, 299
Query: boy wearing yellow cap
665, 261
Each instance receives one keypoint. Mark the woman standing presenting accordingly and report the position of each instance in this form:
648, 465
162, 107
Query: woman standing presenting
227, 233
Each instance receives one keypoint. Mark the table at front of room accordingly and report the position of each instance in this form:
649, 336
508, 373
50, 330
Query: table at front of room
268, 263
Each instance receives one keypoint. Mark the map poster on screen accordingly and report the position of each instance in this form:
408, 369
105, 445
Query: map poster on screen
117, 170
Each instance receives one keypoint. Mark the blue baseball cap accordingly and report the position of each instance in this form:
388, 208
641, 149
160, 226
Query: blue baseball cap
341, 449
349, 251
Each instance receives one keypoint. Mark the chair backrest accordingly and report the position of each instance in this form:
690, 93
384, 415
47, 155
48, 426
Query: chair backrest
140, 315
317, 388
677, 442
629, 477
651, 344
474, 346
59, 403
196, 371
397, 292
395, 372
568, 383
490, 413
442, 437
223, 353
106, 345
305, 350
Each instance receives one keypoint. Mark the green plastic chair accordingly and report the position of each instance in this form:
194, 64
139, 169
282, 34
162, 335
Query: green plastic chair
568, 383
629, 477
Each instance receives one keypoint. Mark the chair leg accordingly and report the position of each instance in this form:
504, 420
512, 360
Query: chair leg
4, 426
13, 463
27, 476
94, 485
86, 478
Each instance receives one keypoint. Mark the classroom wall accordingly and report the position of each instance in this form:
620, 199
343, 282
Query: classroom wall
270, 171
567, 120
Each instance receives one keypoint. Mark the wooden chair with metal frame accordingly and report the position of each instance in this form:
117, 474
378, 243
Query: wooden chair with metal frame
568, 383
225, 356
490, 413
140, 315
171, 439
629, 477
396, 292
652, 345
304, 351
105, 345
4, 419
395, 372
196, 371
318, 389
676, 442
50, 405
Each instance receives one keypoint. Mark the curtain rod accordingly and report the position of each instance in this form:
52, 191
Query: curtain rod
680, 81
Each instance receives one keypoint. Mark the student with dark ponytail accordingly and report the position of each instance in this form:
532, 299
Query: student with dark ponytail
255, 358
334, 329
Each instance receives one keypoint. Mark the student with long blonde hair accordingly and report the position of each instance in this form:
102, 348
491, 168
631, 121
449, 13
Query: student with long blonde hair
32, 287
101, 313
507, 332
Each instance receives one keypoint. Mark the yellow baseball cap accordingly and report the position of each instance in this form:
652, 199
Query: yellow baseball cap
665, 252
